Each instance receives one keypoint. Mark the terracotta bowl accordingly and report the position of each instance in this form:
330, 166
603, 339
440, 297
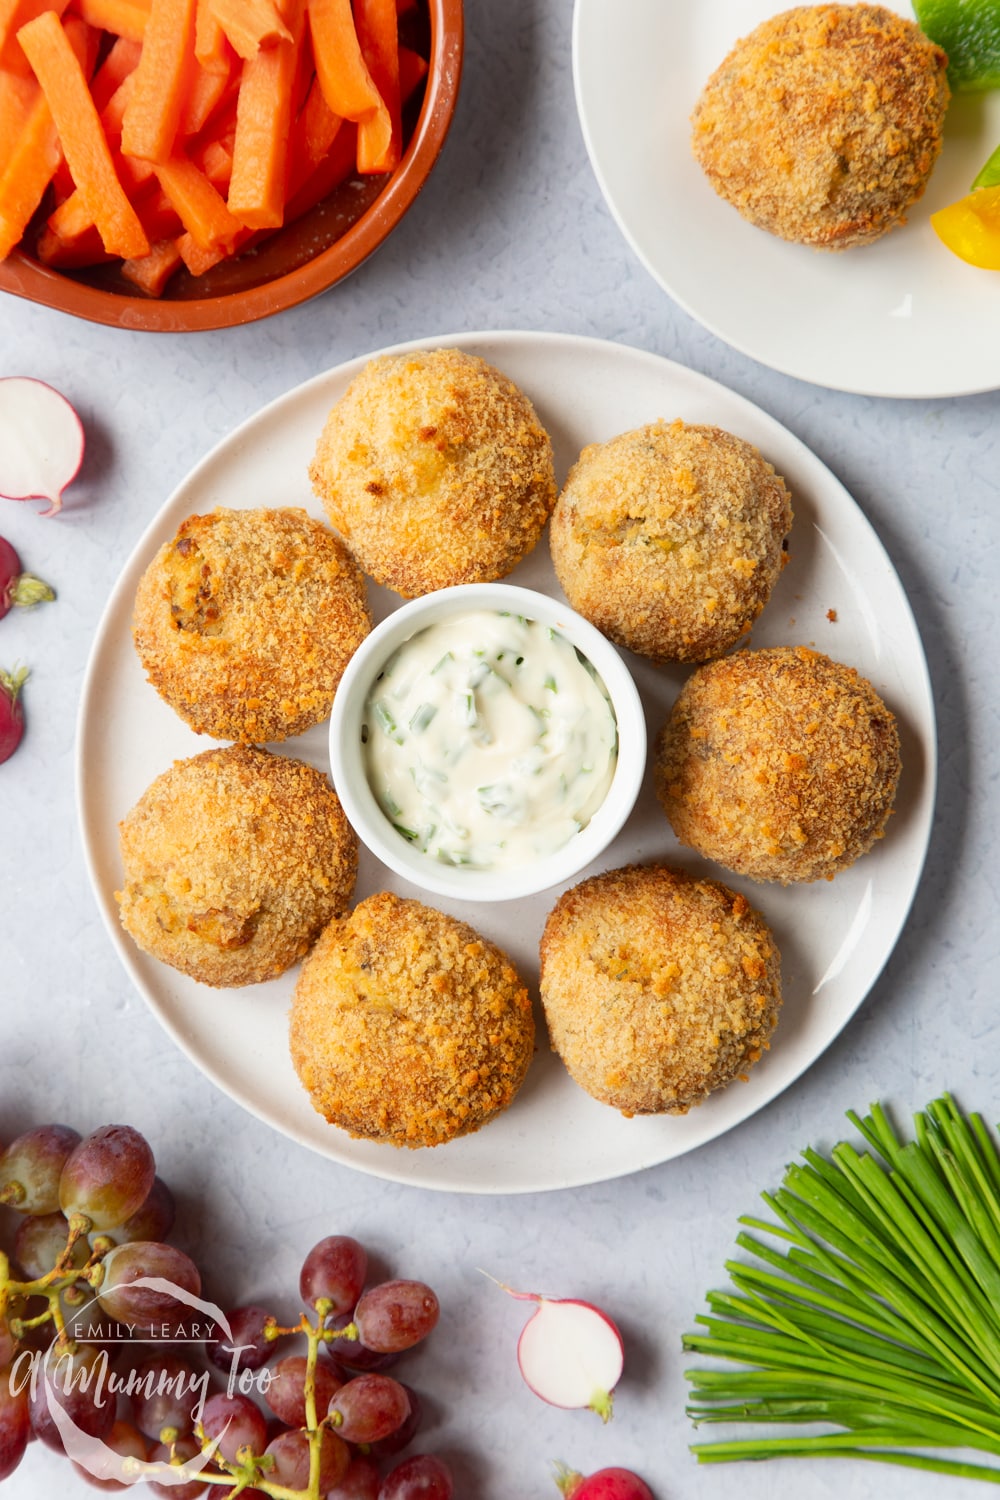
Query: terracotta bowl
295, 263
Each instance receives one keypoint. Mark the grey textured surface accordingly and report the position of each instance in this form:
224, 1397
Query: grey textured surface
511, 232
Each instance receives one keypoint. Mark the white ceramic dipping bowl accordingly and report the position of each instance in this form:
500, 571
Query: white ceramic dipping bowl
347, 754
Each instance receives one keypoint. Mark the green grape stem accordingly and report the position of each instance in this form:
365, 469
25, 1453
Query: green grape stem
252, 1471
79, 1225
237, 1477
348, 1332
63, 1278
309, 1391
274, 1330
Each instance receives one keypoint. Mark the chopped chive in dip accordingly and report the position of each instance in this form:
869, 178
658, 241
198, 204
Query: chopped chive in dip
509, 746
386, 722
423, 717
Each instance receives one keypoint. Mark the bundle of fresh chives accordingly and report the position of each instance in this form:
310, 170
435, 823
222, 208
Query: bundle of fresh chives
880, 1325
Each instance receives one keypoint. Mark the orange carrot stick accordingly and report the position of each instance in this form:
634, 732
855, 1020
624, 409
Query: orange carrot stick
197, 260
36, 153
250, 24
72, 218
154, 110
160, 219
121, 61
74, 214
210, 45
86, 249
343, 73
412, 72
17, 94
263, 110
132, 170
378, 33
121, 17
305, 68
64, 85
13, 15
86, 42
113, 113
206, 91
150, 273
313, 133
28, 172
216, 161
221, 127
336, 167
199, 205
8, 10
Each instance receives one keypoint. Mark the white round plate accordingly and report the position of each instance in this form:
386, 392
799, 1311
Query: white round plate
901, 317
834, 938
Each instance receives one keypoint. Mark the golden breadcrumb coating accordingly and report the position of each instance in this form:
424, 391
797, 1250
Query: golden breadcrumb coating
823, 124
669, 538
780, 764
436, 471
407, 1027
658, 987
246, 619
233, 862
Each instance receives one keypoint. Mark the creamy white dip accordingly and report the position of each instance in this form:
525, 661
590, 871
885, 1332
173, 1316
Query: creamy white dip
489, 740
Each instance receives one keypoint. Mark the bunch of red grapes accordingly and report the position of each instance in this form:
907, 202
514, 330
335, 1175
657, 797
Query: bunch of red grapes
91, 1288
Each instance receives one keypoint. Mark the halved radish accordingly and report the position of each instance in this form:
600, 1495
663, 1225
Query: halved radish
570, 1352
41, 442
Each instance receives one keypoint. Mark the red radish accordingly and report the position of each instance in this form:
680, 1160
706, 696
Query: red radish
16, 587
11, 712
41, 442
605, 1484
570, 1352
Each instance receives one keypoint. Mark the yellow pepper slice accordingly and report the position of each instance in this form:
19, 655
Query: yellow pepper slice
971, 228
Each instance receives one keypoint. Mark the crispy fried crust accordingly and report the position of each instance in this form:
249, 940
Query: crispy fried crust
669, 538
822, 126
407, 1027
435, 469
779, 764
658, 988
233, 862
246, 619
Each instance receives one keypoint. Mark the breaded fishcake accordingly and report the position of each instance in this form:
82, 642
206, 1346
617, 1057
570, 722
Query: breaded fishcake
246, 619
434, 467
658, 987
669, 538
779, 764
407, 1027
233, 862
823, 124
